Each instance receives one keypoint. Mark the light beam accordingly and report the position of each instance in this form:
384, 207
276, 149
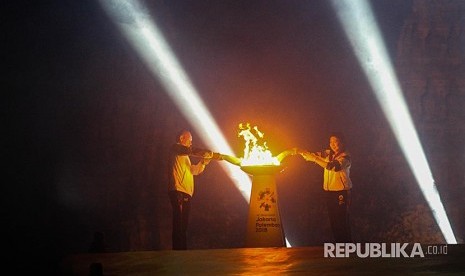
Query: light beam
135, 22
363, 33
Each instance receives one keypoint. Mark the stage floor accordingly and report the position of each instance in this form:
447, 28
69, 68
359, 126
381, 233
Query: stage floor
261, 261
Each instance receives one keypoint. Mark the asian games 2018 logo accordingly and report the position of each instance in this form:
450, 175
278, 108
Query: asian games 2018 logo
266, 199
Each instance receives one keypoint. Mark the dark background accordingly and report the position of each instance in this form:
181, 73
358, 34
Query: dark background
88, 125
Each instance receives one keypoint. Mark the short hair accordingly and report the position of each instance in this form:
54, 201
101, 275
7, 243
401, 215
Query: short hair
180, 133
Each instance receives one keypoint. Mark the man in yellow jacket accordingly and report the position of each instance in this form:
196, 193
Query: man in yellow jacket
181, 184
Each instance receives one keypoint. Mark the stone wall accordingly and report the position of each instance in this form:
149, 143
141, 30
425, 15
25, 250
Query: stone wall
431, 68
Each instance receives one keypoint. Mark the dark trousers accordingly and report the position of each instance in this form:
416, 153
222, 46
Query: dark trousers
181, 204
337, 203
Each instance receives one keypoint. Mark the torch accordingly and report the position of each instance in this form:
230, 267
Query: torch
264, 226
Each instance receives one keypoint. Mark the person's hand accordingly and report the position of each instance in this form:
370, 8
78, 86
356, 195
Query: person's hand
309, 156
217, 156
206, 161
208, 155
300, 151
312, 157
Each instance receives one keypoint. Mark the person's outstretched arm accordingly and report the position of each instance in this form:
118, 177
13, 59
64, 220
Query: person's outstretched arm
314, 157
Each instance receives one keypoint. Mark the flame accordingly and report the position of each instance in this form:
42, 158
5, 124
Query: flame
256, 152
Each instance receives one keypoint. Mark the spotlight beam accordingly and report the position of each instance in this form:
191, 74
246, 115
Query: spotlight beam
364, 35
135, 22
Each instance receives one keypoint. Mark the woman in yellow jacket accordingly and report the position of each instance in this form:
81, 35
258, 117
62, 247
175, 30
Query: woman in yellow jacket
336, 163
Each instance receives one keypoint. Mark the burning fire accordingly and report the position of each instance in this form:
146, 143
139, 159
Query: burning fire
256, 152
